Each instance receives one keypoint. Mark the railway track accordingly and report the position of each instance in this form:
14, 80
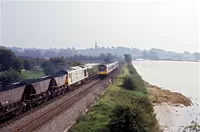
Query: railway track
31, 124
5, 126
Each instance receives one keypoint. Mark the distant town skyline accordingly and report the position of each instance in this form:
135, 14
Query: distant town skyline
169, 25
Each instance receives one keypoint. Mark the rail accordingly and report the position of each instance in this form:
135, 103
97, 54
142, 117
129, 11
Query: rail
35, 122
45, 117
11, 121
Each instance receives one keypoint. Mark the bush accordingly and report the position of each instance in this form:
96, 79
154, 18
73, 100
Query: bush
128, 58
125, 119
128, 83
8, 77
131, 69
133, 119
133, 82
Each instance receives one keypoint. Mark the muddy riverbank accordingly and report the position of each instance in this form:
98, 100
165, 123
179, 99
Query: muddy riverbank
159, 95
174, 110
177, 101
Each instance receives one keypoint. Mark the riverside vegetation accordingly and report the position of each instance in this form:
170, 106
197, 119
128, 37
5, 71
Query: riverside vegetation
124, 107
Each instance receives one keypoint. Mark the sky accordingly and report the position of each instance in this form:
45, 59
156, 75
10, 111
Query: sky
167, 24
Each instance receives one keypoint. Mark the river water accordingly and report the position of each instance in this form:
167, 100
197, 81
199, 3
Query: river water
178, 76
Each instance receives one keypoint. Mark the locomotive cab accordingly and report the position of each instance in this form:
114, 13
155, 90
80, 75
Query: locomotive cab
102, 70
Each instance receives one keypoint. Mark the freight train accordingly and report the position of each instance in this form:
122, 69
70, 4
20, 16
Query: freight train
105, 69
22, 96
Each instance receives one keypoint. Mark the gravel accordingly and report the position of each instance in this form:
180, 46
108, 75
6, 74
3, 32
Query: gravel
67, 118
35, 113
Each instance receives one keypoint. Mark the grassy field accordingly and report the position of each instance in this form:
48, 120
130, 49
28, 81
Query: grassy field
120, 109
29, 74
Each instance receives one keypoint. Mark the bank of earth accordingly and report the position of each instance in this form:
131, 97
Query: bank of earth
125, 106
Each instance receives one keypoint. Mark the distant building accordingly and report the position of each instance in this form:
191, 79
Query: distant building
96, 46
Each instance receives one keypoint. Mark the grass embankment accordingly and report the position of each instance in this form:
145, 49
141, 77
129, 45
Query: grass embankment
124, 107
29, 74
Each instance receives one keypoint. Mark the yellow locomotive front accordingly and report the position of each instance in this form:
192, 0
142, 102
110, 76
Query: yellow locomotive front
102, 71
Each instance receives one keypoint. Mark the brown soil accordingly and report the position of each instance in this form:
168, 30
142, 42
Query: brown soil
159, 95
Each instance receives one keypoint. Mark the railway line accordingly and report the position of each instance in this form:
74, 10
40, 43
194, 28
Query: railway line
36, 117
46, 116
26, 118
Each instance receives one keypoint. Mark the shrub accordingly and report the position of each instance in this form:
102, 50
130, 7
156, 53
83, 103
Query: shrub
128, 58
133, 82
133, 118
131, 69
128, 83
125, 119
9, 76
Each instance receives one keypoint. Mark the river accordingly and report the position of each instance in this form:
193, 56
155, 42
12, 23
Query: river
178, 76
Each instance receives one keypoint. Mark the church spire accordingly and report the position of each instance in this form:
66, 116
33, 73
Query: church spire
96, 46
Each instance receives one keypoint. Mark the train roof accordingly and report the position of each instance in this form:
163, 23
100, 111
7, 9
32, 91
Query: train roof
30, 81
78, 67
62, 71
103, 64
11, 86
65, 71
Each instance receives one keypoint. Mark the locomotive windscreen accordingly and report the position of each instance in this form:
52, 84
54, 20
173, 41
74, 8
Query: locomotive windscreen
101, 68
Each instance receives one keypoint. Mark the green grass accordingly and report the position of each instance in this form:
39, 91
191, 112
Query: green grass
29, 74
99, 117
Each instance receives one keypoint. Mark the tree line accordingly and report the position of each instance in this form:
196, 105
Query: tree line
11, 65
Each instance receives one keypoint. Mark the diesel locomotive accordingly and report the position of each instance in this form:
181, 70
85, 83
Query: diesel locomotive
22, 96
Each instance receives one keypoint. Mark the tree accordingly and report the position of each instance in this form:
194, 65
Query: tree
6, 59
10, 76
28, 64
17, 64
102, 56
128, 58
48, 68
153, 55
108, 58
196, 56
49, 53
33, 53
58, 62
144, 54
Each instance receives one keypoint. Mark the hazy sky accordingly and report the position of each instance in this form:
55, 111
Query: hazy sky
167, 24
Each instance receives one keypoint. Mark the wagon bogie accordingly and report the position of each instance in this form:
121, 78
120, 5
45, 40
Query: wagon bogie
34, 92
